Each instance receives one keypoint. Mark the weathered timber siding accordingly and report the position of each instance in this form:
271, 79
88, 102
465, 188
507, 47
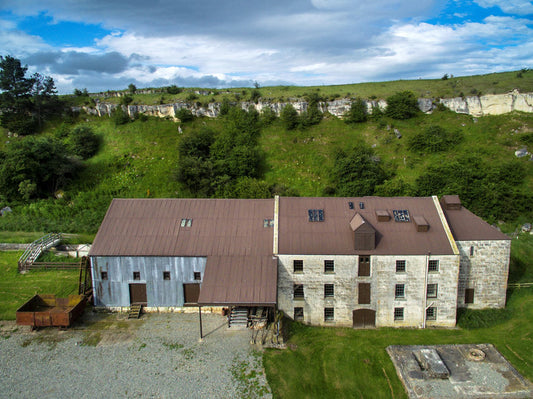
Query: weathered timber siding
486, 272
114, 292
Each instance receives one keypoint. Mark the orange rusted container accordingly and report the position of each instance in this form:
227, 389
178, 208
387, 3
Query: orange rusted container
49, 311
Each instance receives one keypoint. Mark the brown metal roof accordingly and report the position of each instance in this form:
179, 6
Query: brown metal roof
239, 280
152, 227
335, 236
466, 226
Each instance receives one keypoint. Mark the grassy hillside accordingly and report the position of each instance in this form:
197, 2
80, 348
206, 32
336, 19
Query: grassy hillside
494, 83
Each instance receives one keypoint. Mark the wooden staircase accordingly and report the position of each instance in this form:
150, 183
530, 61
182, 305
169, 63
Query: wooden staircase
238, 317
135, 311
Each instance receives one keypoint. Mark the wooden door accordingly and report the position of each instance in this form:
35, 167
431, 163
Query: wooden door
138, 293
469, 295
364, 266
191, 292
364, 294
364, 318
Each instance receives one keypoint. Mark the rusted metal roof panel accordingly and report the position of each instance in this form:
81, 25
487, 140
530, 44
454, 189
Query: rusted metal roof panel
152, 227
466, 226
239, 280
335, 236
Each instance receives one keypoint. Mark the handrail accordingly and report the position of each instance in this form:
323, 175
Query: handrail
36, 248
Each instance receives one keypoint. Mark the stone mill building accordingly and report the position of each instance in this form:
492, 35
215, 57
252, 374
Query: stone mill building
361, 262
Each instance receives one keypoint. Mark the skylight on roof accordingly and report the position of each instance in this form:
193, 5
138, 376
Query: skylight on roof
186, 222
401, 215
316, 215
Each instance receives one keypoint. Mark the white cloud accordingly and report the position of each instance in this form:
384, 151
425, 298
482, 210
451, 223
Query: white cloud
520, 7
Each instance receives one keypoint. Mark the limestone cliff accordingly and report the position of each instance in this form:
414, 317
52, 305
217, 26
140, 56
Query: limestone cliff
495, 104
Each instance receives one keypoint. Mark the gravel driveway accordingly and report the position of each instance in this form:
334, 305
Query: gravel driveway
108, 356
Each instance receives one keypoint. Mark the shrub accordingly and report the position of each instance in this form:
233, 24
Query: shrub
402, 105
357, 112
267, 116
184, 115
289, 117
120, 117
126, 100
434, 139
174, 90
83, 142
255, 95
469, 319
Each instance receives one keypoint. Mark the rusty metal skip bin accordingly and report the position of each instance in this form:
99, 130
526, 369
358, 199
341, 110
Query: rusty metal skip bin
50, 311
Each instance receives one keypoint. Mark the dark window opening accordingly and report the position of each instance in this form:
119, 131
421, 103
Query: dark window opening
166, 275
433, 266
197, 276
298, 265
432, 290
136, 275
399, 291
298, 314
329, 266
350, 205
431, 313
329, 290
298, 291
361, 205
400, 266
469, 295
398, 313
329, 314
472, 250
103, 275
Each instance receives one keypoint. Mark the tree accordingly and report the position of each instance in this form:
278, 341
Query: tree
402, 105
289, 117
132, 88
34, 167
24, 102
356, 172
83, 142
184, 115
174, 90
358, 112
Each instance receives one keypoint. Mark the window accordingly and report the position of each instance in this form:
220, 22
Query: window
268, 223
399, 291
197, 276
186, 222
398, 313
329, 290
329, 266
469, 295
316, 215
432, 290
363, 294
298, 265
400, 266
329, 314
364, 266
431, 313
298, 314
433, 266
103, 275
298, 291
136, 275
472, 250
166, 275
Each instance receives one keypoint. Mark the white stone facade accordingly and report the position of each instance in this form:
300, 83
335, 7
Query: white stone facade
383, 279
484, 269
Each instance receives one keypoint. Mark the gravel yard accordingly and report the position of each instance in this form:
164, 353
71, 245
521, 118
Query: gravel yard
106, 355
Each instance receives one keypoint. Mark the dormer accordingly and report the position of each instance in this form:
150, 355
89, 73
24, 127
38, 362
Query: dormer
364, 233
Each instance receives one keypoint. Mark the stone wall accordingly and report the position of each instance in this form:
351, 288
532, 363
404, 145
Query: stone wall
383, 279
414, 278
484, 268
494, 104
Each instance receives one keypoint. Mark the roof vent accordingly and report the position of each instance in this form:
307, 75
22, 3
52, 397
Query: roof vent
421, 223
382, 215
451, 202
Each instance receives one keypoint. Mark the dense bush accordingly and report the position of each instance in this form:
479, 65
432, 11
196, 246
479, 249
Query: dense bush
402, 105
83, 142
184, 115
120, 117
356, 172
357, 113
434, 139
174, 90
469, 318
289, 117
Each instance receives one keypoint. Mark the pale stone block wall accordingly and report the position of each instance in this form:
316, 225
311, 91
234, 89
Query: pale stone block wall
486, 272
383, 279
415, 302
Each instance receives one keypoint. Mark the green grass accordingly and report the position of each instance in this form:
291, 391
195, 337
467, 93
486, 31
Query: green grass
16, 288
494, 83
344, 363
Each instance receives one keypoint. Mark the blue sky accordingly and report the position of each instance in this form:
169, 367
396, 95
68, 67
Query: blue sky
105, 45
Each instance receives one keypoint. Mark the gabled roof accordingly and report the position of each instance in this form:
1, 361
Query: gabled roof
466, 226
334, 235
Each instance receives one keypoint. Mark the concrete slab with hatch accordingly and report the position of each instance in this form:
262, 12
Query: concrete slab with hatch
457, 371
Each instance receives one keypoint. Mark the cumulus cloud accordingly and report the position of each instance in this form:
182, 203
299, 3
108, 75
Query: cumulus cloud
520, 7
